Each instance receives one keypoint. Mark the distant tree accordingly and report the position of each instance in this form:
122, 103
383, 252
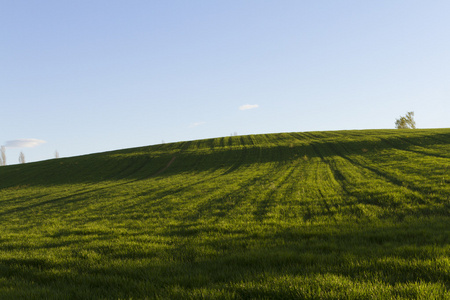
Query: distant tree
3, 156
406, 122
21, 158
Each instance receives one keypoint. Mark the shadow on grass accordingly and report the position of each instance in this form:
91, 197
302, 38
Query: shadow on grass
141, 163
235, 261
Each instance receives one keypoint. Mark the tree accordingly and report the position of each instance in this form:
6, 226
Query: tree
406, 122
22, 158
3, 156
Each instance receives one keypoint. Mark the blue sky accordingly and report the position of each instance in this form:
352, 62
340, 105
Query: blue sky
90, 76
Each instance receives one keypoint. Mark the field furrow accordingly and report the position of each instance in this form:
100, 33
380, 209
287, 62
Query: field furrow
343, 214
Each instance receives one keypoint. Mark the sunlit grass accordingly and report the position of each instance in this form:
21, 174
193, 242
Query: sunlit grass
319, 215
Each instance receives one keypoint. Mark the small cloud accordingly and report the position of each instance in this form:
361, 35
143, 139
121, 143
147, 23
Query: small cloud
24, 143
196, 124
248, 106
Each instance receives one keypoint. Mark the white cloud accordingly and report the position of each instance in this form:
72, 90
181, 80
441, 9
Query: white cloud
24, 143
248, 106
196, 124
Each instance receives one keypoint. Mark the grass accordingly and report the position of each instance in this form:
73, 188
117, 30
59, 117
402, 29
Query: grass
315, 215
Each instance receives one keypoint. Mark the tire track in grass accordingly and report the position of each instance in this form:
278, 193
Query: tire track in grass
385, 175
250, 173
124, 175
426, 153
221, 204
181, 148
423, 175
95, 193
313, 196
441, 138
194, 180
207, 175
97, 189
332, 186
226, 201
238, 162
420, 155
281, 197
269, 200
206, 183
240, 192
352, 180
197, 183
423, 150
306, 189
331, 159
166, 167
127, 182
243, 154
281, 185
320, 198
360, 186
380, 190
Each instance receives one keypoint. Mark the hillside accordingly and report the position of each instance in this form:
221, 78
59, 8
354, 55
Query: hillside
342, 214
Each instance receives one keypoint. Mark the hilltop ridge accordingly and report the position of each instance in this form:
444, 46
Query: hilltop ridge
126, 162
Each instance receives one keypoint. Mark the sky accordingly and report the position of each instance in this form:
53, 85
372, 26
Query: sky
81, 77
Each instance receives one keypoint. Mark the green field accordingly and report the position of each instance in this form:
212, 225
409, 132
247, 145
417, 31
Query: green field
313, 215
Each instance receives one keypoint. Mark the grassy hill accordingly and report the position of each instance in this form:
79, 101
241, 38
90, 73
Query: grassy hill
315, 215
